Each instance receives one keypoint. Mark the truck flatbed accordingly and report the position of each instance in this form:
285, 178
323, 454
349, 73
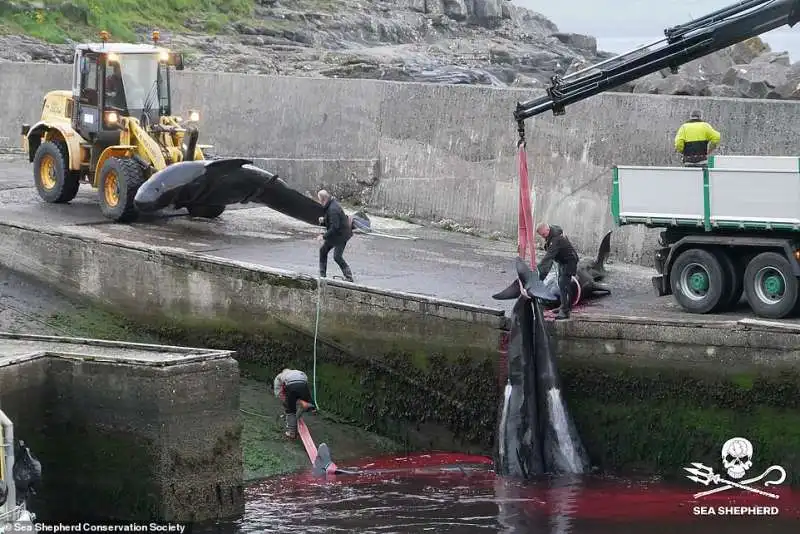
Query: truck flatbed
732, 192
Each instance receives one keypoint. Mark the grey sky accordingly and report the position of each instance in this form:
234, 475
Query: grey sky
621, 25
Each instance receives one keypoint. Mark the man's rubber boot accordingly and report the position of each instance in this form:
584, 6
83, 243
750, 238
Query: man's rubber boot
348, 274
564, 309
291, 426
323, 270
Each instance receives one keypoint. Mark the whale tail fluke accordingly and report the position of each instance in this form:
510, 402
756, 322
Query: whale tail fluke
528, 279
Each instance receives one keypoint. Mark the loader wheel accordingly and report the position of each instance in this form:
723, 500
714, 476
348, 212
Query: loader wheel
120, 178
697, 280
770, 286
206, 212
55, 183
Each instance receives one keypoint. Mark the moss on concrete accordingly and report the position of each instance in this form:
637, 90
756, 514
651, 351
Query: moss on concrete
632, 418
380, 394
659, 421
74, 447
265, 451
268, 453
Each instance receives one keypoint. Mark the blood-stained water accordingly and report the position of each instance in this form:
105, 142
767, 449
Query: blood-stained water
461, 494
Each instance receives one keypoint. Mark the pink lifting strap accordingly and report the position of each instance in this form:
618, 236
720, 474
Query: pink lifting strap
525, 227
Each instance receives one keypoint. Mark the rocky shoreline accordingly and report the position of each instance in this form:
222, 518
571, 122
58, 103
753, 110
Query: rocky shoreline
488, 42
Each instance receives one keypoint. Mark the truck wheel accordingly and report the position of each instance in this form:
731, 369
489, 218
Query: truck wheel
55, 183
734, 280
120, 178
697, 280
770, 286
206, 212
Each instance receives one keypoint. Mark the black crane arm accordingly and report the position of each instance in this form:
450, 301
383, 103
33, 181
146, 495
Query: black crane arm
683, 43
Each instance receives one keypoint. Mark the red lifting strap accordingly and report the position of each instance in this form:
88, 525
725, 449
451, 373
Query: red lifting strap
525, 228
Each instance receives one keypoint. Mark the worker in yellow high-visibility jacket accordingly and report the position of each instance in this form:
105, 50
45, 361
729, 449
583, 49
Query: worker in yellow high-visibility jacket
696, 140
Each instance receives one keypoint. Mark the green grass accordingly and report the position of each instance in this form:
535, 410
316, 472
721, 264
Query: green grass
56, 21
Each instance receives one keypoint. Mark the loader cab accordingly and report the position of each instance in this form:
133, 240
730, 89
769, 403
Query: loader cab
112, 80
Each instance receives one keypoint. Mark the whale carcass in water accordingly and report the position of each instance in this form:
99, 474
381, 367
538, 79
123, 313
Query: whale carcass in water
535, 434
590, 275
207, 186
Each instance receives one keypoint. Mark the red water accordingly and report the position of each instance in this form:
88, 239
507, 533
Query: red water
459, 493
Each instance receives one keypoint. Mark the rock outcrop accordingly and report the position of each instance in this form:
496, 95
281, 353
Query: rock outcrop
745, 70
488, 42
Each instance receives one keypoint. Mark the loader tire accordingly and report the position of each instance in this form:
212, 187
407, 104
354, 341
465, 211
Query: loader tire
119, 180
206, 212
55, 183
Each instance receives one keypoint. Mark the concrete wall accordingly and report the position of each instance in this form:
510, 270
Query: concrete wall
177, 286
446, 151
721, 348
129, 441
239, 305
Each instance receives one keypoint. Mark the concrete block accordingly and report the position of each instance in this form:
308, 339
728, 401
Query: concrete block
126, 434
282, 117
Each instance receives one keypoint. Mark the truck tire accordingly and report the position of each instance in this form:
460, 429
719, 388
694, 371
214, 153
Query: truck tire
697, 280
54, 181
206, 212
770, 286
119, 180
734, 280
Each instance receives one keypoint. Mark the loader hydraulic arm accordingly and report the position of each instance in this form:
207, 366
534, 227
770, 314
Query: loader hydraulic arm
682, 44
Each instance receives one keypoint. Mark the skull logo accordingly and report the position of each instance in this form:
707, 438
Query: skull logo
737, 456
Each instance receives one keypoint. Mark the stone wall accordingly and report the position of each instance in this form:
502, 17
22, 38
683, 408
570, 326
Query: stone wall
442, 151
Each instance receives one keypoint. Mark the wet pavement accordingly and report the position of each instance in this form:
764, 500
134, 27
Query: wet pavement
406, 257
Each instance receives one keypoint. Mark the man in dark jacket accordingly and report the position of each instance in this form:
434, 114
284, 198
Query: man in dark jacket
338, 233
559, 249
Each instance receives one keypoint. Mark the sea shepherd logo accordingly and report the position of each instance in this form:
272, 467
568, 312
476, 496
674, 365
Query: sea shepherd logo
737, 459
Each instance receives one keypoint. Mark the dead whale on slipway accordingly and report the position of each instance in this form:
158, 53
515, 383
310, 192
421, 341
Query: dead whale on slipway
590, 276
536, 434
207, 184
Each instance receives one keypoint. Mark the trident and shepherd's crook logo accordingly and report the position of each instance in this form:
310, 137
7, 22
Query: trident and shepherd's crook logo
737, 458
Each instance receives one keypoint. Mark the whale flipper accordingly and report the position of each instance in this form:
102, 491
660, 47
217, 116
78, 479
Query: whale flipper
603, 252
511, 292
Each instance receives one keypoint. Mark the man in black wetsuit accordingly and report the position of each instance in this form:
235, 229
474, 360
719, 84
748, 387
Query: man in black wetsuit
338, 233
559, 249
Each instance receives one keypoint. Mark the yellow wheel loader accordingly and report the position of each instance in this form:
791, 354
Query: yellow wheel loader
114, 129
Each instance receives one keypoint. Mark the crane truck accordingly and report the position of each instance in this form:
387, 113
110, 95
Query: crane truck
722, 237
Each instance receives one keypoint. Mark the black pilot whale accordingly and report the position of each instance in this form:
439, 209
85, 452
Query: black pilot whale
218, 183
590, 276
535, 434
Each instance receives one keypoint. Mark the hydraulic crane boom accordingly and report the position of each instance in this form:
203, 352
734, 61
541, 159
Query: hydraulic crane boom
683, 43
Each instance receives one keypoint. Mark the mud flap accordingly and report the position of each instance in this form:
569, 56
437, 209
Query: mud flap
659, 285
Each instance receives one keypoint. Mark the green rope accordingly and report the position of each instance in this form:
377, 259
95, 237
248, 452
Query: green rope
316, 333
